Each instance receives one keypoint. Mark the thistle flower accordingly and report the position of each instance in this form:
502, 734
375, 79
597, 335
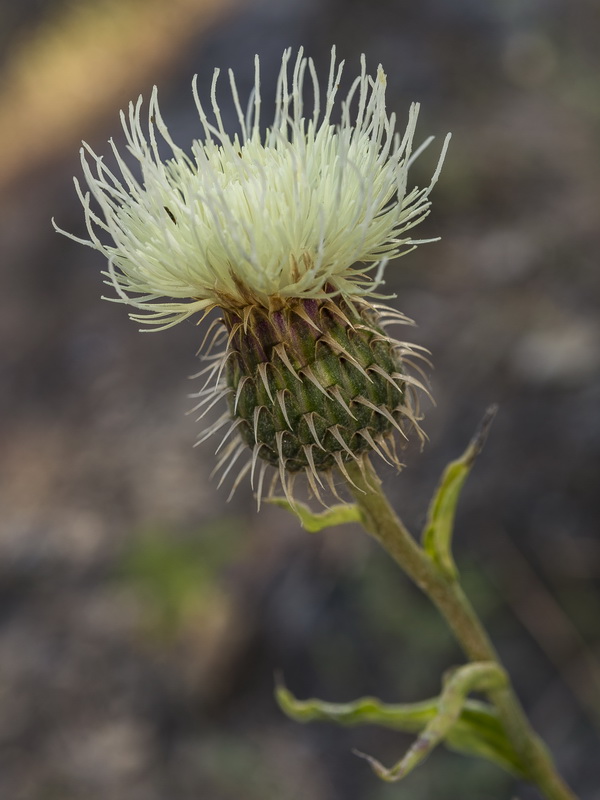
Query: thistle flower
287, 231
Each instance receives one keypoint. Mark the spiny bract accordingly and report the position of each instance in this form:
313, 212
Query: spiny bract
287, 230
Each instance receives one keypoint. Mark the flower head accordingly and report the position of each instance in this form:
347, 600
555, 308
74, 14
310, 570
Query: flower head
286, 229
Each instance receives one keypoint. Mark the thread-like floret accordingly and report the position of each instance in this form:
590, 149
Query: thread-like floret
260, 214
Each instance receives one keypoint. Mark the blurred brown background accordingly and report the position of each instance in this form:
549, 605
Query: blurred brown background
141, 617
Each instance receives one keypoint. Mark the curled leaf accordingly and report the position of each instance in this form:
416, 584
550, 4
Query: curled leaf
467, 726
335, 515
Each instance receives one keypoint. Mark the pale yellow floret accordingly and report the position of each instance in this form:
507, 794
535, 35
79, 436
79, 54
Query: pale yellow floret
305, 208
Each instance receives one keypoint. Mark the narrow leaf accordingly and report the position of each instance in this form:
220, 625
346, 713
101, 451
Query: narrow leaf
408, 717
437, 534
335, 515
470, 727
479, 732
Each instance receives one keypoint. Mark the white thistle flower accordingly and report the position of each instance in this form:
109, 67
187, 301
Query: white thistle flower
288, 226
259, 215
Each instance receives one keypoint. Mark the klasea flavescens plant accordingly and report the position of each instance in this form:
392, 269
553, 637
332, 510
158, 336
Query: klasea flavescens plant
287, 228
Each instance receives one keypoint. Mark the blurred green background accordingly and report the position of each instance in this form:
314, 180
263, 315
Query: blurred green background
141, 617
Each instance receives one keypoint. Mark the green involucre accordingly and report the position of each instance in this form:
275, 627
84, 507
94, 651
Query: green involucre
314, 383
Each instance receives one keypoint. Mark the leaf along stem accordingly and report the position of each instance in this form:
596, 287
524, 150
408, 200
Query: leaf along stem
382, 523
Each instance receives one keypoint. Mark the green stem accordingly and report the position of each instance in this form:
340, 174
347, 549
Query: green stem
381, 521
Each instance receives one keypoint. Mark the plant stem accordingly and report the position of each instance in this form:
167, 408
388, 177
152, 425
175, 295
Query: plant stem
381, 521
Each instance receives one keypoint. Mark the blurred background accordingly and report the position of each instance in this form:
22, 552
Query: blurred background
142, 617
